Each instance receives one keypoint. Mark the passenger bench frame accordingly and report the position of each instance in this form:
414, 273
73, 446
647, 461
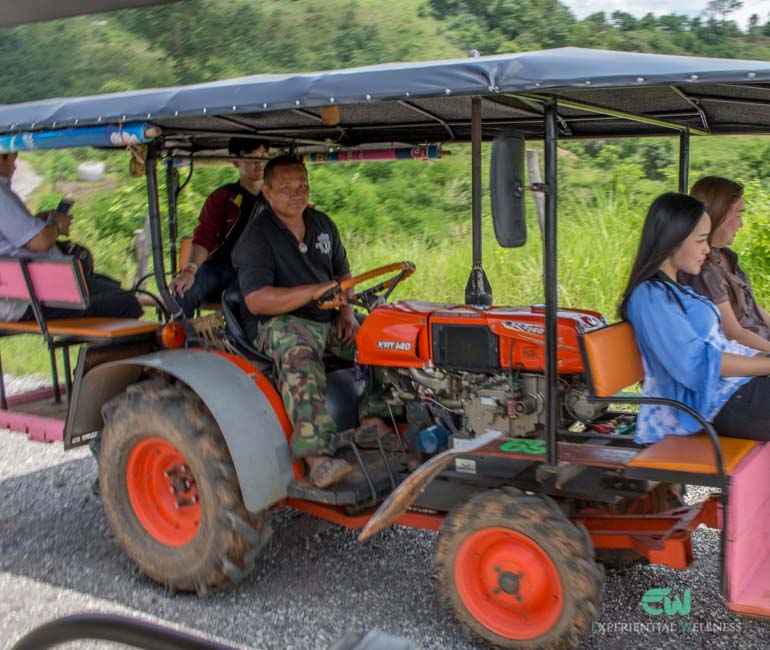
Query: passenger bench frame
612, 362
56, 282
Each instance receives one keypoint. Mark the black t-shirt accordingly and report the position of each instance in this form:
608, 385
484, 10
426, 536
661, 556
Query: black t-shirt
269, 255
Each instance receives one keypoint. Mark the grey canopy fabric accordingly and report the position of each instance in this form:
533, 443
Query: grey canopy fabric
601, 93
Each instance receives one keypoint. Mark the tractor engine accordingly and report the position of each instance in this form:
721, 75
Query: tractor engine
477, 402
468, 369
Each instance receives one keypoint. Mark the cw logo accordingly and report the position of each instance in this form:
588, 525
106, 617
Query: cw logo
671, 606
524, 445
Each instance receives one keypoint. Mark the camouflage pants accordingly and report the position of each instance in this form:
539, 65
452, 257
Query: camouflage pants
297, 346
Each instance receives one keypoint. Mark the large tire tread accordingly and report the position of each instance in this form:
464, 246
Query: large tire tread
569, 547
229, 538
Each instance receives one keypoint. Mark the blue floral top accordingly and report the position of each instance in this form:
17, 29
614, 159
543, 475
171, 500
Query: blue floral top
682, 346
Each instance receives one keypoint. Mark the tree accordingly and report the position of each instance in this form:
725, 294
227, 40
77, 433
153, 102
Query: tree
722, 8
648, 21
505, 25
674, 23
195, 37
624, 21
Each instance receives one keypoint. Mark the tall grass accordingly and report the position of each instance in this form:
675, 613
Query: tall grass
596, 244
421, 212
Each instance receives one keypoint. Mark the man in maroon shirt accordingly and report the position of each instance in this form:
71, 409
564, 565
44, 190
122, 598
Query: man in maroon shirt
208, 271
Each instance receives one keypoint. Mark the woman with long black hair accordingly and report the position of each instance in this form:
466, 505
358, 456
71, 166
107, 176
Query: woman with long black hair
685, 354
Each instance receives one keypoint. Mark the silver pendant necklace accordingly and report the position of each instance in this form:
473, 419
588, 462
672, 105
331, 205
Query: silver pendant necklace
302, 247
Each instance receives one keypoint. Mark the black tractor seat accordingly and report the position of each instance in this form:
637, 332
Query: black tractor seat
231, 309
344, 386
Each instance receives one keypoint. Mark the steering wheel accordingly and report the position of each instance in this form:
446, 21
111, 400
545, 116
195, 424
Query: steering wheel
369, 297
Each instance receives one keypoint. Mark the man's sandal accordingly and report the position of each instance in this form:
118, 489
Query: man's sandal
329, 471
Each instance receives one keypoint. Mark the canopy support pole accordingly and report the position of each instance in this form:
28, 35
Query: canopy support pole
156, 233
684, 160
478, 290
550, 282
172, 193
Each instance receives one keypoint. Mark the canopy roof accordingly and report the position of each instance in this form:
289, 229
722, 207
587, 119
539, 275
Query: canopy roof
601, 94
16, 12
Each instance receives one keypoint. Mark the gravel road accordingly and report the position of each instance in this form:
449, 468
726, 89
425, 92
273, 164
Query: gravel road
315, 583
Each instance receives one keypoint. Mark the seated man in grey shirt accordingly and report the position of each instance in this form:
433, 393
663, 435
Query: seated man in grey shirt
24, 235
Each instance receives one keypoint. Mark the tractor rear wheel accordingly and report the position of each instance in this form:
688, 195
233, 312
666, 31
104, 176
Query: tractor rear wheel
170, 491
517, 573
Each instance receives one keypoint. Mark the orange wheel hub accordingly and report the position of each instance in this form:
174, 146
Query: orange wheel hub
508, 583
163, 492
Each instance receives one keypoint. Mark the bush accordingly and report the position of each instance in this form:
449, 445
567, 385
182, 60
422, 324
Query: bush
753, 240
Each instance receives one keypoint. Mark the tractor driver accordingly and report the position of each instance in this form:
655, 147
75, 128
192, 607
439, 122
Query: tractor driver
289, 256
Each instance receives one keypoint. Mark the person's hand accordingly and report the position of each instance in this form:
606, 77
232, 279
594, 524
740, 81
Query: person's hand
347, 325
63, 221
183, 281
322, 287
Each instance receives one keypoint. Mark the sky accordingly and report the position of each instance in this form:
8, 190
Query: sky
582, 8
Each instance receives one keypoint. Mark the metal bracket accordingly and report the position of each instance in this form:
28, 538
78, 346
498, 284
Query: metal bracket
543, 188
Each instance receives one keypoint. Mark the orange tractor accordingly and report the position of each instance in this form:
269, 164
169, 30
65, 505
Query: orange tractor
507, 442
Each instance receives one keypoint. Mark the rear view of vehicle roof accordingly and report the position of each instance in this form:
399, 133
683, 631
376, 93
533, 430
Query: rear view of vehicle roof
423, 102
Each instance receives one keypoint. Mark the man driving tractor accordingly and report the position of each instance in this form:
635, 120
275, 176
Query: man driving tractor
289, 256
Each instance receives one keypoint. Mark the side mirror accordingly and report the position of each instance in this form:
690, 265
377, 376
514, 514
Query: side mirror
506, 187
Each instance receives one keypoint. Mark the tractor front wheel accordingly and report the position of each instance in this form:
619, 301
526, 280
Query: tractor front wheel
170, 491
517, 573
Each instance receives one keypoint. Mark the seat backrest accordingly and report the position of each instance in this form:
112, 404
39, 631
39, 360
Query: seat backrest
611, 359
59, 282
13, 286
56, 282
231, 310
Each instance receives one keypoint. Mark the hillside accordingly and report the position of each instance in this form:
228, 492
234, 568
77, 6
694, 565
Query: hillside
201, 40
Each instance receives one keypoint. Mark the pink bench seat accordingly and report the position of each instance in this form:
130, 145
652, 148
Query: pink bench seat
748, 535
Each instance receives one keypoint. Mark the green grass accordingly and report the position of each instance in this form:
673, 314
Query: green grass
388, 212
25, 355
586, 279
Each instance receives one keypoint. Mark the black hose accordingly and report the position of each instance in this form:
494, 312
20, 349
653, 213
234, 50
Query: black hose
118, 629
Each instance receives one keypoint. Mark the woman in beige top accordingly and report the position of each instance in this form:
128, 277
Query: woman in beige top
721, 279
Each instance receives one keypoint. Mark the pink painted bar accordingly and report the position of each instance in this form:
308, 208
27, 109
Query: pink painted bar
56, 281
12, 284
748, 542
38, 428
32, 396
